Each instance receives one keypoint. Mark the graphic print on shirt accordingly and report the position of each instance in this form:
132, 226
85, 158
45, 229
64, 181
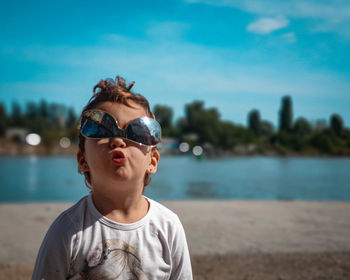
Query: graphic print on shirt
112, 259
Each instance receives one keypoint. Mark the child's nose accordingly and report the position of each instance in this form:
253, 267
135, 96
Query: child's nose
117, 142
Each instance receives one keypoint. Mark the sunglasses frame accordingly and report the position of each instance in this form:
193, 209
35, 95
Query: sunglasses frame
96, 116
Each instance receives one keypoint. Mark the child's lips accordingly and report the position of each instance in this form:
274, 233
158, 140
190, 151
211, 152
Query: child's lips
118, 157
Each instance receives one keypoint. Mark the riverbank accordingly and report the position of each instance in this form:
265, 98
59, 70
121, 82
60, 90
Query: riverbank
227, 239
12, 148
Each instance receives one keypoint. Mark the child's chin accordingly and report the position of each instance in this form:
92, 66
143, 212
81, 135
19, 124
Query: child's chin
120, 176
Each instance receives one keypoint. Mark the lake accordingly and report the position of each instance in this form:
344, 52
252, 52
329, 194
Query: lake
29, 179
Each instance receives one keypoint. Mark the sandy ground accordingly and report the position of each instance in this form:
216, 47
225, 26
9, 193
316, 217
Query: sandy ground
227, 239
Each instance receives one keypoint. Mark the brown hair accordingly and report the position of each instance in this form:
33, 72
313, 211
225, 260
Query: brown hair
113, 91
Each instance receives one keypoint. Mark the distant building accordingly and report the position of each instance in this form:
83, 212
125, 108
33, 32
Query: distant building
61, 119
16, 133
320, 125
168, 146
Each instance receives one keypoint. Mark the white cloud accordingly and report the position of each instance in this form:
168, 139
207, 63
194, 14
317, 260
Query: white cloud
335, 10
326, 15
267, 25
289, 37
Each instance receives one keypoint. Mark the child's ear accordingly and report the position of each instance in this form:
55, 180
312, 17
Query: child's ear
152, 167
82, 164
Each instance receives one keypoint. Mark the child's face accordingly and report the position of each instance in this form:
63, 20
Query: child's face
112, 160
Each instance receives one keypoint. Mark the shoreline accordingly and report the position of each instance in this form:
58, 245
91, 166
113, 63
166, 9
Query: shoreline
297, 156
248, 239
13, 149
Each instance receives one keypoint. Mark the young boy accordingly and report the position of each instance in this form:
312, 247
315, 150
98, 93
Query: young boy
116, 232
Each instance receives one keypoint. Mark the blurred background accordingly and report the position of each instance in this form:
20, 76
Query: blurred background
252, 95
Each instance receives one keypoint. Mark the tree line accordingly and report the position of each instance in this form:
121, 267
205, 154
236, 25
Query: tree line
204, 126
200, 126
50, 120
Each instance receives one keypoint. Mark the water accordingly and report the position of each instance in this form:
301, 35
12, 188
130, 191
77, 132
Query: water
24, 179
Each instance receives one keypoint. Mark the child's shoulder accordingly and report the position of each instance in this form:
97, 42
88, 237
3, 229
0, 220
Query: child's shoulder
71, 217
67, 224
77, 209
162, 212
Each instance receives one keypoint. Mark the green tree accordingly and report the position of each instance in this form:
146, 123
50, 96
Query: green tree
43, 109
323, 142
3, 119
281, 138
286, 114
228, 135
32, 110
231, 135
302, 127
266, 128
56, 111
16, 115
203, 122
71, 118
254, 122
164, 116
337, 124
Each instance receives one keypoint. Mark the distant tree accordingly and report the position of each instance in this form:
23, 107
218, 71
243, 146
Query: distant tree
57, 116
281, 138
337, 124
3, 119
203, 122
320, 125
164, 116
286, 114
56, 111
231, 135
193, 113
16, 115
182, 125
302, 127
43, 109
254, 122
32, 110
266, 128
71, 118
228, 135
323, 142
71, 126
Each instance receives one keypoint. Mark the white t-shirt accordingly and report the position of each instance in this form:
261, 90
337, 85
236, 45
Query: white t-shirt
83, 244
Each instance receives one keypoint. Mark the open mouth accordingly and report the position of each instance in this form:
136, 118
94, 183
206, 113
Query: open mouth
118, 157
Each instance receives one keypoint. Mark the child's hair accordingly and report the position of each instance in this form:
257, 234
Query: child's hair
114, 91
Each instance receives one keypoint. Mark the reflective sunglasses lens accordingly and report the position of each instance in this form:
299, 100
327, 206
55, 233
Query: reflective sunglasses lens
144, 130
98, 124
94, 130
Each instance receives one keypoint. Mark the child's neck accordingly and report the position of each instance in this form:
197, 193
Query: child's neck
122, 208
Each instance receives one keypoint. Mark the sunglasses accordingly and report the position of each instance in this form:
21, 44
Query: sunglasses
98, 124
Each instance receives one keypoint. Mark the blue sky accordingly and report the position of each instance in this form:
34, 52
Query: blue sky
234, 55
